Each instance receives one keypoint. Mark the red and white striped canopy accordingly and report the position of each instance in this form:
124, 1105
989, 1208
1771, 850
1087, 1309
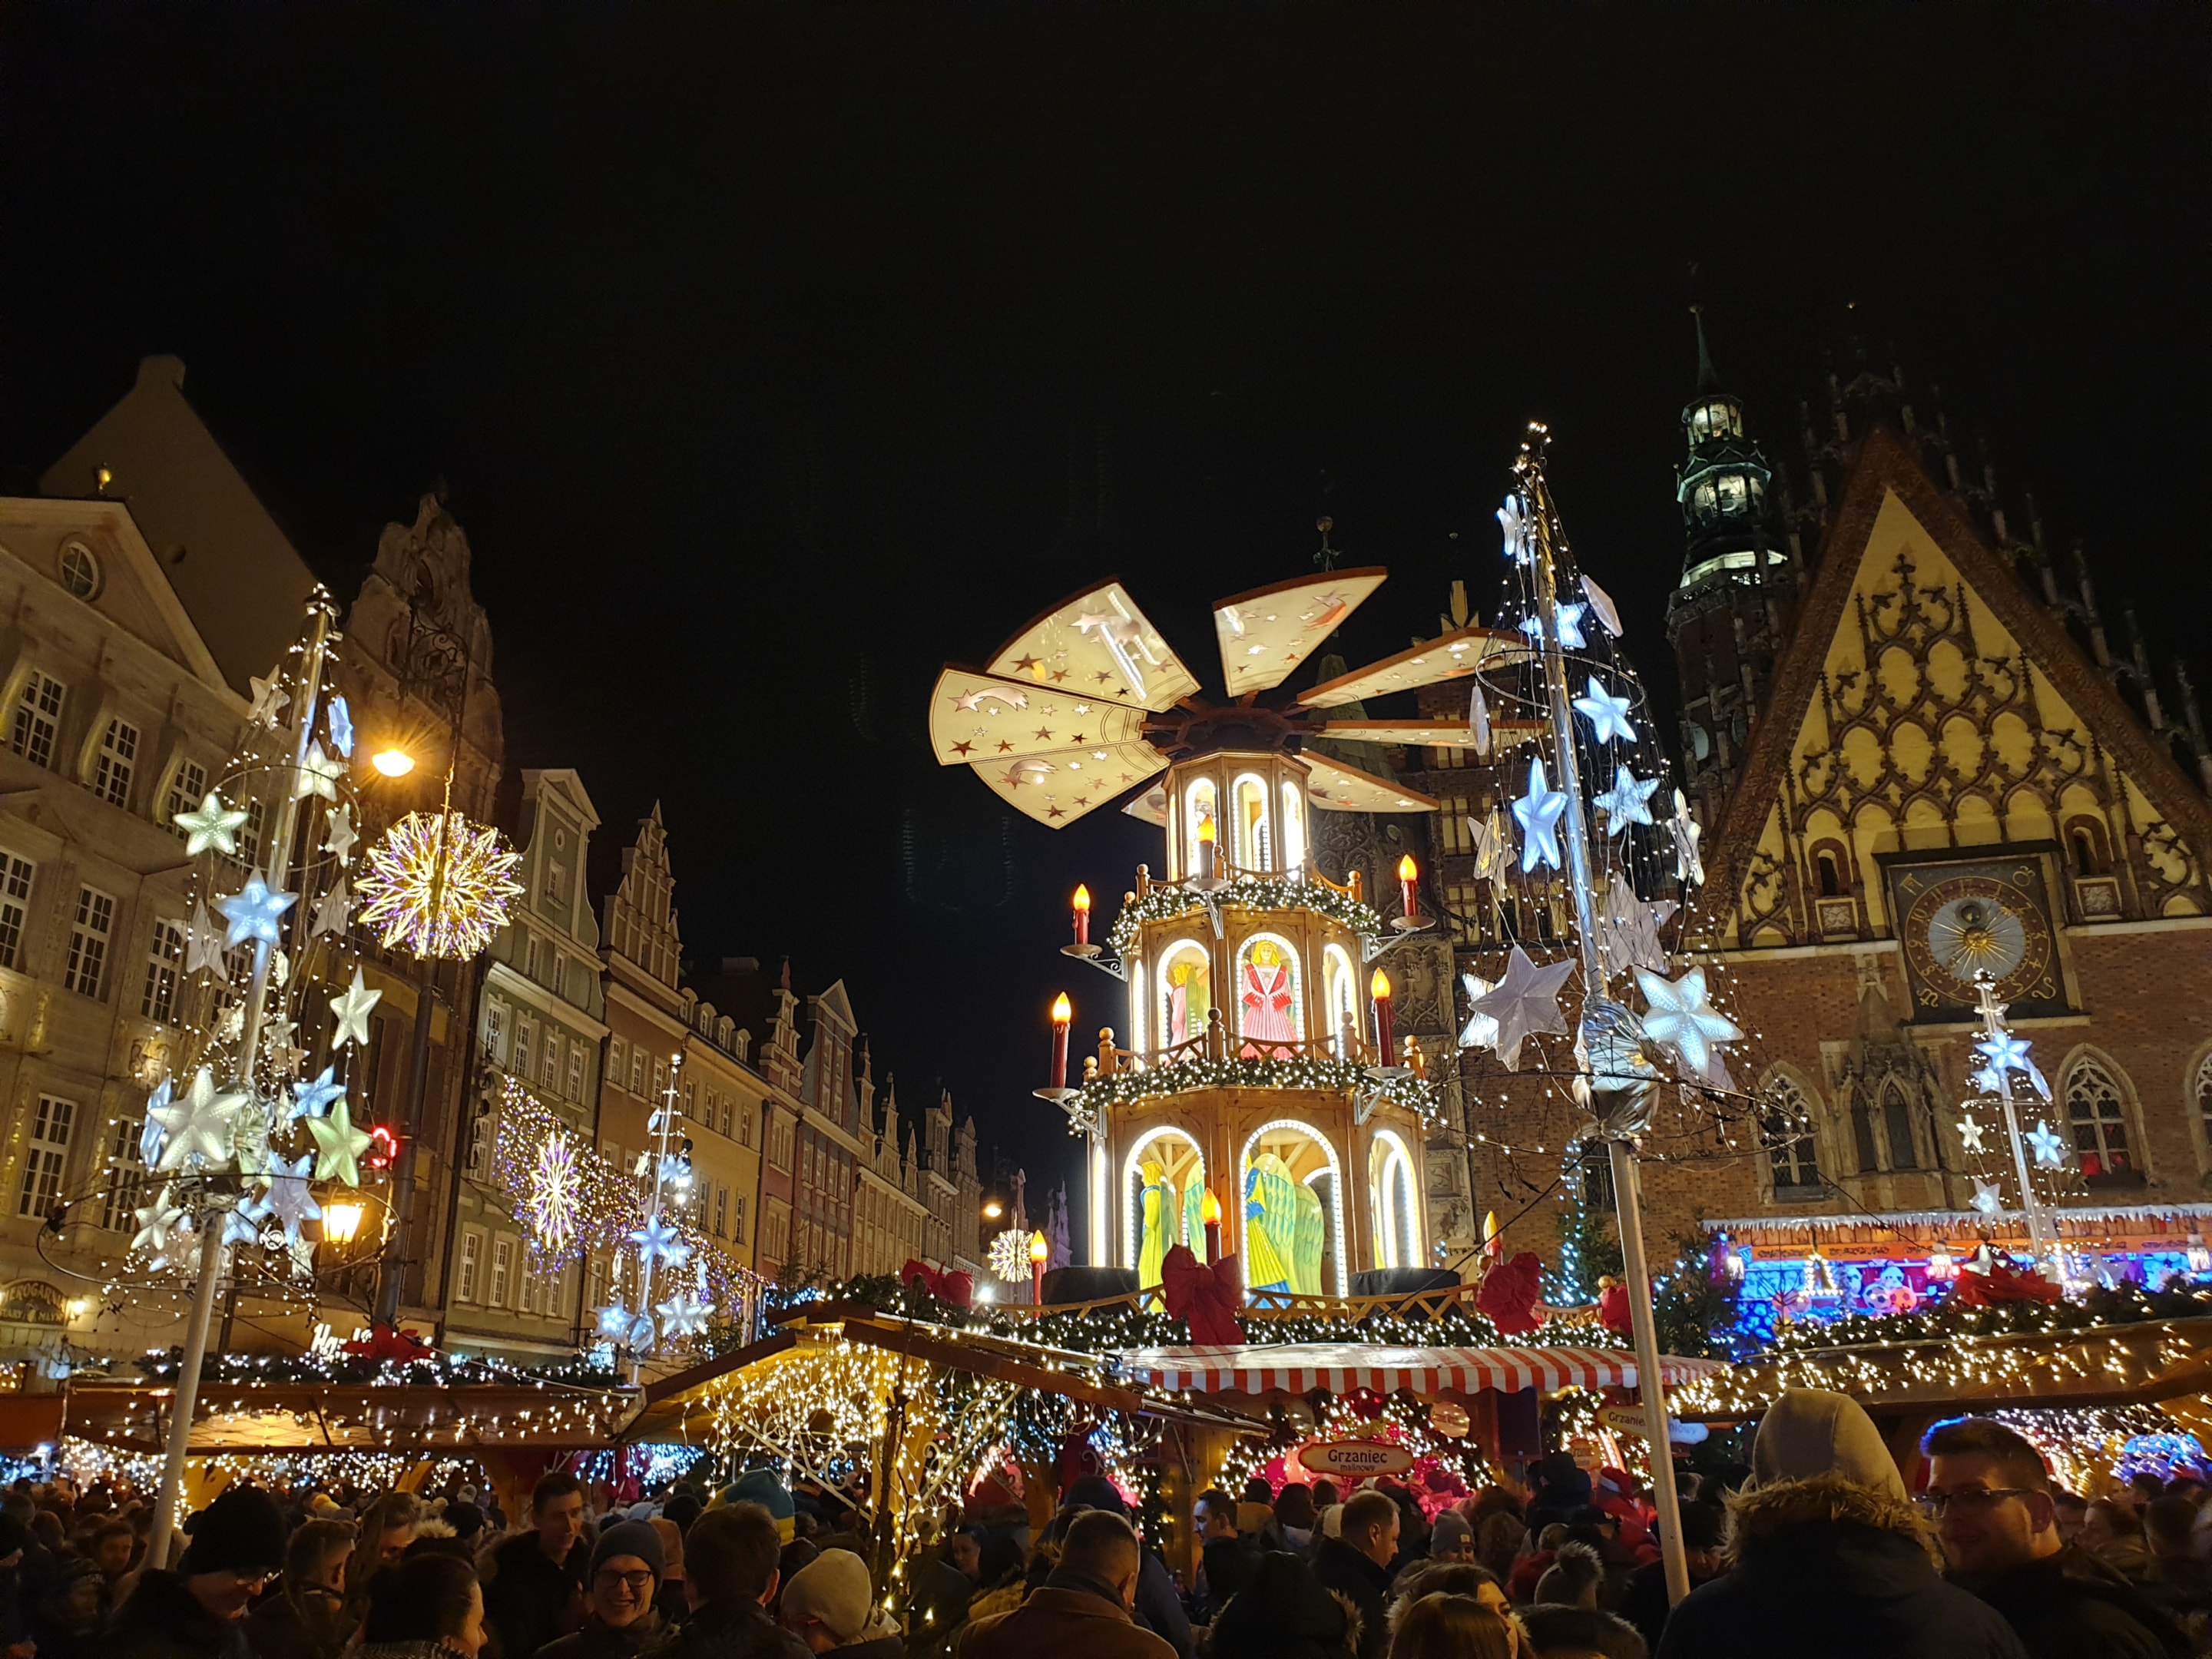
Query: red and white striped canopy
1340, 1367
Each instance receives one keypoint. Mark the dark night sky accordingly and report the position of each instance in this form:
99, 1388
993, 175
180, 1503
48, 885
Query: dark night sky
774, 354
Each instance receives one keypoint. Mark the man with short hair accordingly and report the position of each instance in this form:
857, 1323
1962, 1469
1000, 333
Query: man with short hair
731, 1572
1082, 1611
1227, 1557
1356, 1564
1989, 1491
533, 1581
306, 1617
198, 1612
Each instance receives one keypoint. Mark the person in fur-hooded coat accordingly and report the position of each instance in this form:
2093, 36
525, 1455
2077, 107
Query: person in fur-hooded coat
1828, 1558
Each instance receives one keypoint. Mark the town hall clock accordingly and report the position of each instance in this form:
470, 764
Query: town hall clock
1957, 917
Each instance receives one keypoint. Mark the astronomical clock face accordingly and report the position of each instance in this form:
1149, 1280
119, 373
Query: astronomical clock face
1959, 918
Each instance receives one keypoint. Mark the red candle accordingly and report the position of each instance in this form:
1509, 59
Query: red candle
1040, 1252
1082, 914
1062, 1012
1407, 872
1379, 988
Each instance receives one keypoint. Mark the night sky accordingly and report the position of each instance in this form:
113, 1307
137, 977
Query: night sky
772, 355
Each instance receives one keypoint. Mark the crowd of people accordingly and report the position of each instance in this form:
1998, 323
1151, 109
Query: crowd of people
1816, 1549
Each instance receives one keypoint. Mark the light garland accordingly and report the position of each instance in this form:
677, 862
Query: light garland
1322, 1073
1164, 902
438, 885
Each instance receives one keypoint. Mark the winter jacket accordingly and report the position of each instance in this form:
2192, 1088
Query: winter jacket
1827, 1568
2073, 1606
598, 1641
1229, 1564
404, 1650
891, 1646
163, 1620
311, 1622
1159, 1604
1070, 1616
1344, 1570
529, 1598
1283, 1612
725, 1630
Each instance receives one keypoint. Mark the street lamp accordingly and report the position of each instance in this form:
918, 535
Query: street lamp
392, 762
342, 1220
994, 1209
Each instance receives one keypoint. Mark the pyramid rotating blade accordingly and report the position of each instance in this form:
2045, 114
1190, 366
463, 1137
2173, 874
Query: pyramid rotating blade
1266, 633
976, 719
1433, 734
1061, 787
1448, 656
1097, 645
1150, 805
1339, 788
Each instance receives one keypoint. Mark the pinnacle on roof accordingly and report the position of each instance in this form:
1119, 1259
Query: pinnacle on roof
1709, 378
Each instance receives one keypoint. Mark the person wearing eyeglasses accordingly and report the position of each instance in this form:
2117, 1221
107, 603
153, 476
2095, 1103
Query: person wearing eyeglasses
1989, 1492
199, 1611
622, 1582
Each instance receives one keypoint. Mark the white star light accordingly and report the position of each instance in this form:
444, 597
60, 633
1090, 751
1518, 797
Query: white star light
1602, 606
288, 1199
1523, 1003
1513, 519
352, 1010
341, 725
333, 913
1970, 1134
157, 1221
212, 824
2050, 1150
1538, 814
1478, 719
658, 1240
683, 1314
150, 1132
2006, 1053
1570, 620
1608, 715
615, 1322
313, 1098
243, 1224
254, 911
341, 835
319, 775
203, 941
1677, 1014
1987, 1198
1688, 865
1627, 802
1480, 1030
1491, 850
201, 1124
269, 697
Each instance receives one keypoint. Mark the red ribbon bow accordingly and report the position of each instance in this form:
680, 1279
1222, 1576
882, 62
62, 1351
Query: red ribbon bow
954, 1289
388, 1346
1203, 1297
1509, 1292
2002, 1283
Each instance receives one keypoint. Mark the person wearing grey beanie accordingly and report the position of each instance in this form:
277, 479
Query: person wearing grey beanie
1450, 1538
623, 1579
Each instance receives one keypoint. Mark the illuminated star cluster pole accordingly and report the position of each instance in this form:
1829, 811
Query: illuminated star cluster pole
2040, 1159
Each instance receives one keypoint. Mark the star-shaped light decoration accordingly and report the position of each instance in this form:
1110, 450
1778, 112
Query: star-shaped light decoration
683, 1314
1988, 1197
1524, 1003
150, 1132
1677, 1014
1688, 865
1570, 620
156, 1222
352, 1009
1513, 519
270, 697
615, 1320
1970, 1134
202, 1126
341, 835
1491, 850
658, 1240
1602, 607
203, 941
1607, 713
1478, 719
340, 720
1480, 1030
313, 1098
1629, 937
243, 1224
319, 775
2050, 1150
1538, 814
254, 911
211, 824
335, 911
288, 1199
2006, 1053
338, 1145
1627, 802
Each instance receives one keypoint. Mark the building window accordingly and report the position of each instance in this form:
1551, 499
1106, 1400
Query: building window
472, 1255
525, 1046
2203, 1088
118, 759
576, 1071
249, 837
1463, 907
1897, 1119
527, 1293
80, 570
187, 788
2098, 1110
42, 1164
549, 1071
164, 958
637, 1071
721, 1211
738, 1236
495, 1028
14, 897
1786, 1134
38, 719
1832, 879
617, 1062
1453, 826
126, 1178
599, 1295
88, 951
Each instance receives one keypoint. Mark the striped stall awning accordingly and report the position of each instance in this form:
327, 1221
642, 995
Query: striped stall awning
1340, 1367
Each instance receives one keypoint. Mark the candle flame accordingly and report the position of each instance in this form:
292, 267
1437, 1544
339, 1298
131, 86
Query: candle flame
1406, 868
1082, 896
1209, 1210
1205, 828
1062, 1009
1379, 987
1040, 1247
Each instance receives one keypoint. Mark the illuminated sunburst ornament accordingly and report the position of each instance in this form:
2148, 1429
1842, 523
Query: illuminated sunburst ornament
1010, 1256
438, 885
552, 1201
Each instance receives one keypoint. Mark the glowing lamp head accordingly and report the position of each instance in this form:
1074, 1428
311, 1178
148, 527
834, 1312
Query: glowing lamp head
1040, 1247
1205, 828
1082, 898
994, 1209
1406, 868
342, 1221
1062, 1010
1209, 1209
1379, 987
392, 762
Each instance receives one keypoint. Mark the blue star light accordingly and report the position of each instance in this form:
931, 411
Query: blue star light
341, 718
254, 911
1678, 1015
1513, 519
656, 1239
1538, 812
615, 1320
1608, 715
313, 1098
2006, 1053
2050, 1150
1570, 619
1629, 801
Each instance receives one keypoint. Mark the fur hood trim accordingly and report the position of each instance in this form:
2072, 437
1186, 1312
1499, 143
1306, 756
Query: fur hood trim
1355, 1622
1765, 1512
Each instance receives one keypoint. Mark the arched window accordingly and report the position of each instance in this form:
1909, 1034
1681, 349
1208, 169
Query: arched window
1293, 1202
1199, 806
2200, 1090
2085, 847
1882, 1128
1186, 993
1253, 851
1831, 878
1786, 1133
1294, 830
1897, 1123
1393, 1203
1270, 1001
2096, 1107
1163, 1199
1343, 1001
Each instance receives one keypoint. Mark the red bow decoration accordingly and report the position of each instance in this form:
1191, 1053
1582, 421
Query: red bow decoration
2002, 1283
1509, 1292
954, 1289
1613, 1307
1204, 1298
391, 1347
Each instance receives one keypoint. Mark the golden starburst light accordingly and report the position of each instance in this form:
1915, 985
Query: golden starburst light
438, 885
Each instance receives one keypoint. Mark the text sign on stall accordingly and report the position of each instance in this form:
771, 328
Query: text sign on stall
1354, 1459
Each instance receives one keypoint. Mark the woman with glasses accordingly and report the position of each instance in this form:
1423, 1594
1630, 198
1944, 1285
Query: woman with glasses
626, 1569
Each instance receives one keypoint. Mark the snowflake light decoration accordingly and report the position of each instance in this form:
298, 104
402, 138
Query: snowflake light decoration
552, 1200
1010, 1256
438, 885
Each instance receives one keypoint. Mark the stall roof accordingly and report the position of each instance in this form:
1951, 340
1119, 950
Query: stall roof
1300, 1368
368, 1416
